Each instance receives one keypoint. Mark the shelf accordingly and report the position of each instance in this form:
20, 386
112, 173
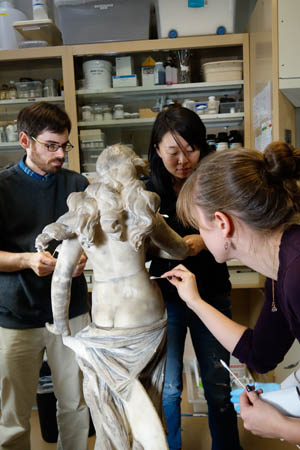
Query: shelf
24, 101
10, 147
210, 120
198, 89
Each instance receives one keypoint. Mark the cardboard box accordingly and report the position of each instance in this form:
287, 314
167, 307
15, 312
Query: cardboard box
124, 81
146, 113
124, 65
148, 76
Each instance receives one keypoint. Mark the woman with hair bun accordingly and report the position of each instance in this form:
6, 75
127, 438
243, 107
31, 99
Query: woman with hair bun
251, 212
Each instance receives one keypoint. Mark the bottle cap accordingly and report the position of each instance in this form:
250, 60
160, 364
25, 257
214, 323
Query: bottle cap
172, 34
221, 30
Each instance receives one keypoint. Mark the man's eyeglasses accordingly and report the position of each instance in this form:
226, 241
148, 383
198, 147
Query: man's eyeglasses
54, 147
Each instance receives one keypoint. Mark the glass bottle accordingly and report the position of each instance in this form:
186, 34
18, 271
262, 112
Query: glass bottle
12, 90
97, 109
87, 113
107, 113
235, 139
159, 73
222, 141
3, 92
211, 141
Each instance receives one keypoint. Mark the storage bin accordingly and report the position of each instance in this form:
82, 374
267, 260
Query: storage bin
90, 156
231, 107
29, 89
186, 21
223, 70
89, 21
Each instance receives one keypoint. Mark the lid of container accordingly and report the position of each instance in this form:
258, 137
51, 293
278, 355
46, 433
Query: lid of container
28, 44
233, 61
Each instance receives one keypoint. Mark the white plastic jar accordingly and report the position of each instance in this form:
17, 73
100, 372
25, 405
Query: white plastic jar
118, 112
212, 105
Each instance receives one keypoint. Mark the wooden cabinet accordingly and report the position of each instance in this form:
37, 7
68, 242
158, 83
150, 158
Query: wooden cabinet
65, 62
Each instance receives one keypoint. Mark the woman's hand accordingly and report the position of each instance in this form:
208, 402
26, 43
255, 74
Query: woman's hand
195, 243
260, 417
185, 282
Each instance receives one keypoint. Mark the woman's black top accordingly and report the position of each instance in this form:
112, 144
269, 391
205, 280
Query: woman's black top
212, 277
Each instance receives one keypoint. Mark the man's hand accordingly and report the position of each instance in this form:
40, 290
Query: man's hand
80, 265
195, 243
41, 263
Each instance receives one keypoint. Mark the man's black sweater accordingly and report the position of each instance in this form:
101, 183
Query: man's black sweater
27, 205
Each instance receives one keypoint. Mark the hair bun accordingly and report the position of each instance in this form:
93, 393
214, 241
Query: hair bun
281, 161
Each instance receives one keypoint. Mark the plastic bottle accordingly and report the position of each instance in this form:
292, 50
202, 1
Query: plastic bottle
169, 70
9, 37
39, 10
159, 73
222, 141
235, 139
212, 105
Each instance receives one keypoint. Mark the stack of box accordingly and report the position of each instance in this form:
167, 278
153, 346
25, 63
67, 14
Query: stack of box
92, 142
124, 73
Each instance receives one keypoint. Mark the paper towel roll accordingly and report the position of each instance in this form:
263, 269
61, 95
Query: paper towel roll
286, 400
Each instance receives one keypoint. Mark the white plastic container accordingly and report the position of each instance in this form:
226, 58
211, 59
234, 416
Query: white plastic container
212, 105
97, 74
186, 21
9, 37
88, 21
223, 70
39, 9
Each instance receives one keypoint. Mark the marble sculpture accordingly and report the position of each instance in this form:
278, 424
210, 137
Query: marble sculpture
122, 352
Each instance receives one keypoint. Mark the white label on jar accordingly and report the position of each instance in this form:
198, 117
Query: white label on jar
235, 145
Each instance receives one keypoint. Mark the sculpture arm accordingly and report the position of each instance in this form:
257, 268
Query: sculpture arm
165, 242
67, 260
57, 230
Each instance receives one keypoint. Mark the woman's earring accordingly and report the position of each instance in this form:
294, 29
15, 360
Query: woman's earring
226, 245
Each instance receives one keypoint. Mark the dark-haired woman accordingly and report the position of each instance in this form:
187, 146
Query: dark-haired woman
178, 143
251, 212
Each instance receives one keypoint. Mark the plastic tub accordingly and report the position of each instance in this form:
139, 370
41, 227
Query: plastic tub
29, 89
97, 74
231, 107
178, 16
89, 21
9, 37
223, 70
